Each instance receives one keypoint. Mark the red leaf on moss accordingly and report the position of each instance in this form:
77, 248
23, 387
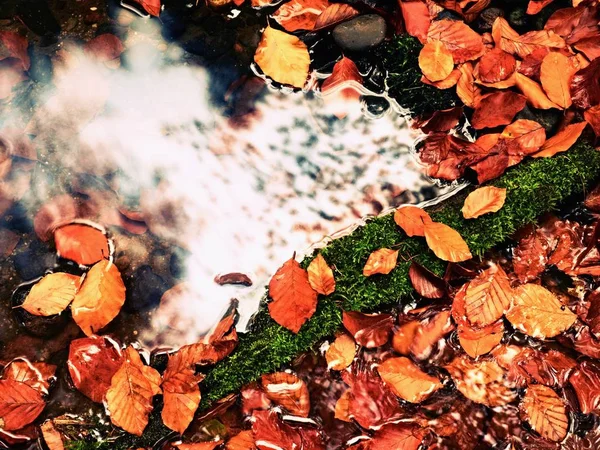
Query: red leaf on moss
416, 18
496, 65
425, 282
20, 404
497, 108
369, 330
524, 137
585, 86
586, 382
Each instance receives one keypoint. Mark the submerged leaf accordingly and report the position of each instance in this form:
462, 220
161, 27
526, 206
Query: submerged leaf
289, 391
52, 294
406, 380
20, 404
545, 412
586, 382
483, 200
36, 375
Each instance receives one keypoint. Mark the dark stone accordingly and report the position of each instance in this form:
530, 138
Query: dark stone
325, 53
519, 20
41, 69
486, 19
144, 289
374, 107
38, 17
360, 33
17, 218
548, 118
33, 260
449, 15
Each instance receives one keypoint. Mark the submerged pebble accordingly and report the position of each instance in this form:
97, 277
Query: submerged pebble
360, 33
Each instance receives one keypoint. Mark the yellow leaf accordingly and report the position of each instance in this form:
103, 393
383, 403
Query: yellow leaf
411, 219
555, 75
283, 57
562, 141
340, 353
320, 276
545, 411
52, 294
381, 261
534, 92
436, 61
482, 201
488, 296
446, 243
100, 298
466, 89
406, 380
511, 42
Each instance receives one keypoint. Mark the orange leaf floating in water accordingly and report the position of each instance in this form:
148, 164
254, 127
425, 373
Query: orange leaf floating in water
99, 299
404, 336
294, 300
446, 243
406, 380
81, 243
464, 43
398, 436
52, 294
283, 57
369, 330
466, 89
299, 14
555, 75
412, 220
129, 398
416, 19
524, 136
152, 7
345, 77
289, 391
244, 440
497, 108
436, 61
561, 141
381, 261
320, 276
430, 332
496, 65
334, 14
511, 42
536, 96
545, 411
36, 375
20, 404
538, 313
52, 437
425, 282
340, 353
483, 200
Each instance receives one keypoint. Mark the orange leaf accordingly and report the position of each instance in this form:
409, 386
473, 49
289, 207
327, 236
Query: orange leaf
555, 75
446, 83
545, 411
509, 40
466, 89
464, 43
369, 330
320, 276
244, 440
535, 6
52, 294
416, 19
534, 92
345, 78
334, 14
561, 141
289, 391
479, 341
99, 299
483, 200
340, 353
81, 243
294, 300
411, 219
436, 61
488, 296
52, 437
404, 336
211, 445
527, 136
446, 243
35, 375
497, 108
429, 333
129, 398
342, 407
20, 404
496, 65
381, 261
406, 380
299, 14
397, 436
538, 313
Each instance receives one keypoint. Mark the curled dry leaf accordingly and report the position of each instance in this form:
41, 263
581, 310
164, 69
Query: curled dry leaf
561, 141
36, 375
496, 65
398, 436
341, 352
81, 243
407, 380
52, 437
435, 61
464, 43
289, 391
320, 276
538, 313
369, 330
99, 299
129, 398
586, 382
299, 14
52, 294
412, 220
381, 261
425, 282
497, 108
545, 411
555, 75
483, 200
334, 14
466, 89
20, 404
283, 57
446, 243
294, 300
511, 42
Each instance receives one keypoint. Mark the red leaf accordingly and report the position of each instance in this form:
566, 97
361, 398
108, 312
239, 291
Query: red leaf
20, 404
270, 432
81, 243
36, 375
585, 86
399, 436
152, 7
530, 257
430, 332
592, 201
334, 14
369, 330
532, 63
416, 18
105, 47
496, 65
497, 108
586, 382
425, 282
551, 368
345, 78
575, 24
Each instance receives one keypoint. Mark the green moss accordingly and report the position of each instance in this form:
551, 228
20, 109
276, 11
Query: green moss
84, 445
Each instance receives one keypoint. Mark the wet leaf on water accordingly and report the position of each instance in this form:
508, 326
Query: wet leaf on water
529, 257
381, 261
294, 300
555, 76
341, 352
244, 440
511, 42
52, 436
407, 380
399, 436
416, 18
412, 220
289, 391
334, 14
430, 333
545, 411
345, 80
369, 330
404, 336
488, 296
551, 368
300, 14
561, 141
586, 382
592, 116
13, 45
497, 108
52, 294
320, 276
446, 243
435, 61
342, 407
152, 7
425, 282
483, 200
496, 65
81, 243
464, 43
36, 375
20, 404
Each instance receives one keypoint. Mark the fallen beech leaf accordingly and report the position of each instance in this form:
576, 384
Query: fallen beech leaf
466, 89
52, 437
426, 283
398, 436
406, 380
464, 43
344, 79
92, 363
442, 120
538, 313
99, 299
480, 341
430, 333
52, 294
555, 75
342, 407
404, 336
334, 14
411, 219
532, 64
381, 261
535, 6
81, 243
294, 300
36, 375
545, 412
446, 243
244, 440
585, 86
20, 404
561, 141
496, 65
152, 7
503, 84
525, 136
586, 382
289, 391
550, 368
213, 348
436, 61
511, 42
592, 116
299, 14
416, 19
534, 92
369, 330
446, 83
270, 432
283, 57
320, 276
211, 445
497, 108
341, 352
488, 296
129, 398
483, 200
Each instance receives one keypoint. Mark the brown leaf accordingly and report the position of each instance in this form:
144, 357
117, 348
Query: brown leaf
585, 86
555, 75
381, 261
509, 40
442, 120
13, 45
398, 436
466, 89
426, 283
36, 375
550, 368
244, 440
411, 219
561, 141
81, 243
524, 136
299, 14
464, 43
294, 300
20, 404
497, 108
289, 391
52, 294
530, 257
446, 243
406, 380
416, 18
488, 296
369, 330
52, 437
210, 445
535, 6
534, 92
592, 200
233, 278
496, 65
345, 79
545, 412
99, 299
320, 276
334, 14
480, 341
592, 116
532, 63
435, 61
129, 398
483, 200
341, 352
538, 313
586, 382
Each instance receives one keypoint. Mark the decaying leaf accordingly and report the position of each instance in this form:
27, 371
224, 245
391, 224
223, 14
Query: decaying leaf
411, 219
381, 261
561, 141
341, 352
407, 380
446, 243
425, 282
36, 375
20, 404
483, 200
320, 276
496, 65
81, 243
435, 61
299, 14
52, 294
369, 330
289, 391
545, 412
